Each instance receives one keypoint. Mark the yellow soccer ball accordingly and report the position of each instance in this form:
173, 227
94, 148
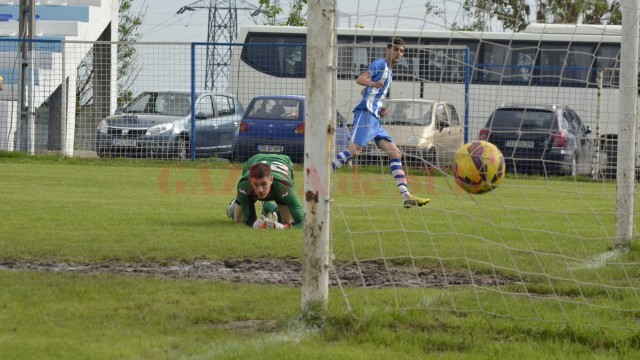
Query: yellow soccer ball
478, 167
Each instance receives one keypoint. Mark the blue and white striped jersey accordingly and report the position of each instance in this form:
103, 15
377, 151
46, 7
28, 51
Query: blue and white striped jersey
373, 98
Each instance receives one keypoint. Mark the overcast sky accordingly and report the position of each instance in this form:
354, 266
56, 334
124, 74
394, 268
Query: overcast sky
161, 22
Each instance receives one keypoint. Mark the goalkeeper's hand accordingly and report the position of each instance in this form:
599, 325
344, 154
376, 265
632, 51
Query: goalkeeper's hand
266, 223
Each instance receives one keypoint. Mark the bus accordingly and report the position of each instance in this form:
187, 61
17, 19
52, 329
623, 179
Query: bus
572, 65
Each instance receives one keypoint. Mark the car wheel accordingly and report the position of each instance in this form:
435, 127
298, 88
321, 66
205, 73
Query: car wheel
236, 156
226, 156
182, 149
431, 159
102, 153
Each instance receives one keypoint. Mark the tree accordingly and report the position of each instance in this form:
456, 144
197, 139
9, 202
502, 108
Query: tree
434, 10
514, 15
604, 12
484, 14
297, 15
128, 34
128, 23
572, 11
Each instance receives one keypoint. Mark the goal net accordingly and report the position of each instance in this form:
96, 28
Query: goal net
543, 246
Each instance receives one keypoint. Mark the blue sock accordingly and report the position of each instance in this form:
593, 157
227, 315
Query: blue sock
340, 159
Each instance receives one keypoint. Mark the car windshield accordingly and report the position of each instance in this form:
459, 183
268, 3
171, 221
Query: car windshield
160, 103
409, 113
522, 119
275, 109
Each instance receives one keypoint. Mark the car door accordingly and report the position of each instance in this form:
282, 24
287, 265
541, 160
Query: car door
226, 123
443, 139
455, 132
206, 137
584, 143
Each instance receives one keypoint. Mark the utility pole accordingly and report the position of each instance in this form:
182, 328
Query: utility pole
26, 124
223, 29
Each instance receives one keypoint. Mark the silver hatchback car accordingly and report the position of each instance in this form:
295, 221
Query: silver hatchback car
158, 124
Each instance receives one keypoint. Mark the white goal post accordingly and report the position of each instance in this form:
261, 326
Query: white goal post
628, 123
321, 75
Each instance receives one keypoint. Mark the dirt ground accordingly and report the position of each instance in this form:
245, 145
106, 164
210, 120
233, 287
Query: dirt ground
274, 271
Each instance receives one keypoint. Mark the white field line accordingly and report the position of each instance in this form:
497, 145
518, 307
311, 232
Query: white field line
237, 348
600, 260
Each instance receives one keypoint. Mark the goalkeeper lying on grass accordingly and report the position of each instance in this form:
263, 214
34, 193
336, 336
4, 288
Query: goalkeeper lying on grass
267, 178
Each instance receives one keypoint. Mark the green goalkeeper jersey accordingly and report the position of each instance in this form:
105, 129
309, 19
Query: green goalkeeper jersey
282, 190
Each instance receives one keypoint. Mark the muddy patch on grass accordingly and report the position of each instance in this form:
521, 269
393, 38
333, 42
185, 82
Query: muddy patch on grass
371, 274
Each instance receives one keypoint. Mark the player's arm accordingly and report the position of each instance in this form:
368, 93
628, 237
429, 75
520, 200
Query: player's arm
365, 78
296, 210
248, 212
246, 204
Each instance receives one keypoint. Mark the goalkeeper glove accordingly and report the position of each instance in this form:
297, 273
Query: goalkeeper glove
265, 223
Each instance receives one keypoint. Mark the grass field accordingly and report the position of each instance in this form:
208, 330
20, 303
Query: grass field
545, 238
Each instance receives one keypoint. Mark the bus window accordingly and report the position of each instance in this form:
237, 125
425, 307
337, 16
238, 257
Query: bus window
551, 61
294, 61
519, 64
406, 69
455, 58
506, 63
566, 63
493, 57
608, 56
443, 65
580, 59
265, 55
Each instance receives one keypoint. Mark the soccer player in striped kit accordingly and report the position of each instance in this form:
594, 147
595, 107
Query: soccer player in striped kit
366, 123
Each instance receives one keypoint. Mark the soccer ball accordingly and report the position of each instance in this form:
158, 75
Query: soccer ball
478, 167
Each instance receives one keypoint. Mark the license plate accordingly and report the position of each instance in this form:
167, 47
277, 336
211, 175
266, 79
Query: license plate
519, 143
124, 142
271, 148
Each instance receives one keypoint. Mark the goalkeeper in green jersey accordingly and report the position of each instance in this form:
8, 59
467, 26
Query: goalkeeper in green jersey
267, 178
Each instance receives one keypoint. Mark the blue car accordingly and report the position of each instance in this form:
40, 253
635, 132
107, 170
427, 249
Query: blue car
275, 124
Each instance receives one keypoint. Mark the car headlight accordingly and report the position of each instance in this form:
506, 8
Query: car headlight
159, 129
413, 140
103, 127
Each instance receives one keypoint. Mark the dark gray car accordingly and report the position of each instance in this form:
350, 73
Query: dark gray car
158, 124
547, 139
